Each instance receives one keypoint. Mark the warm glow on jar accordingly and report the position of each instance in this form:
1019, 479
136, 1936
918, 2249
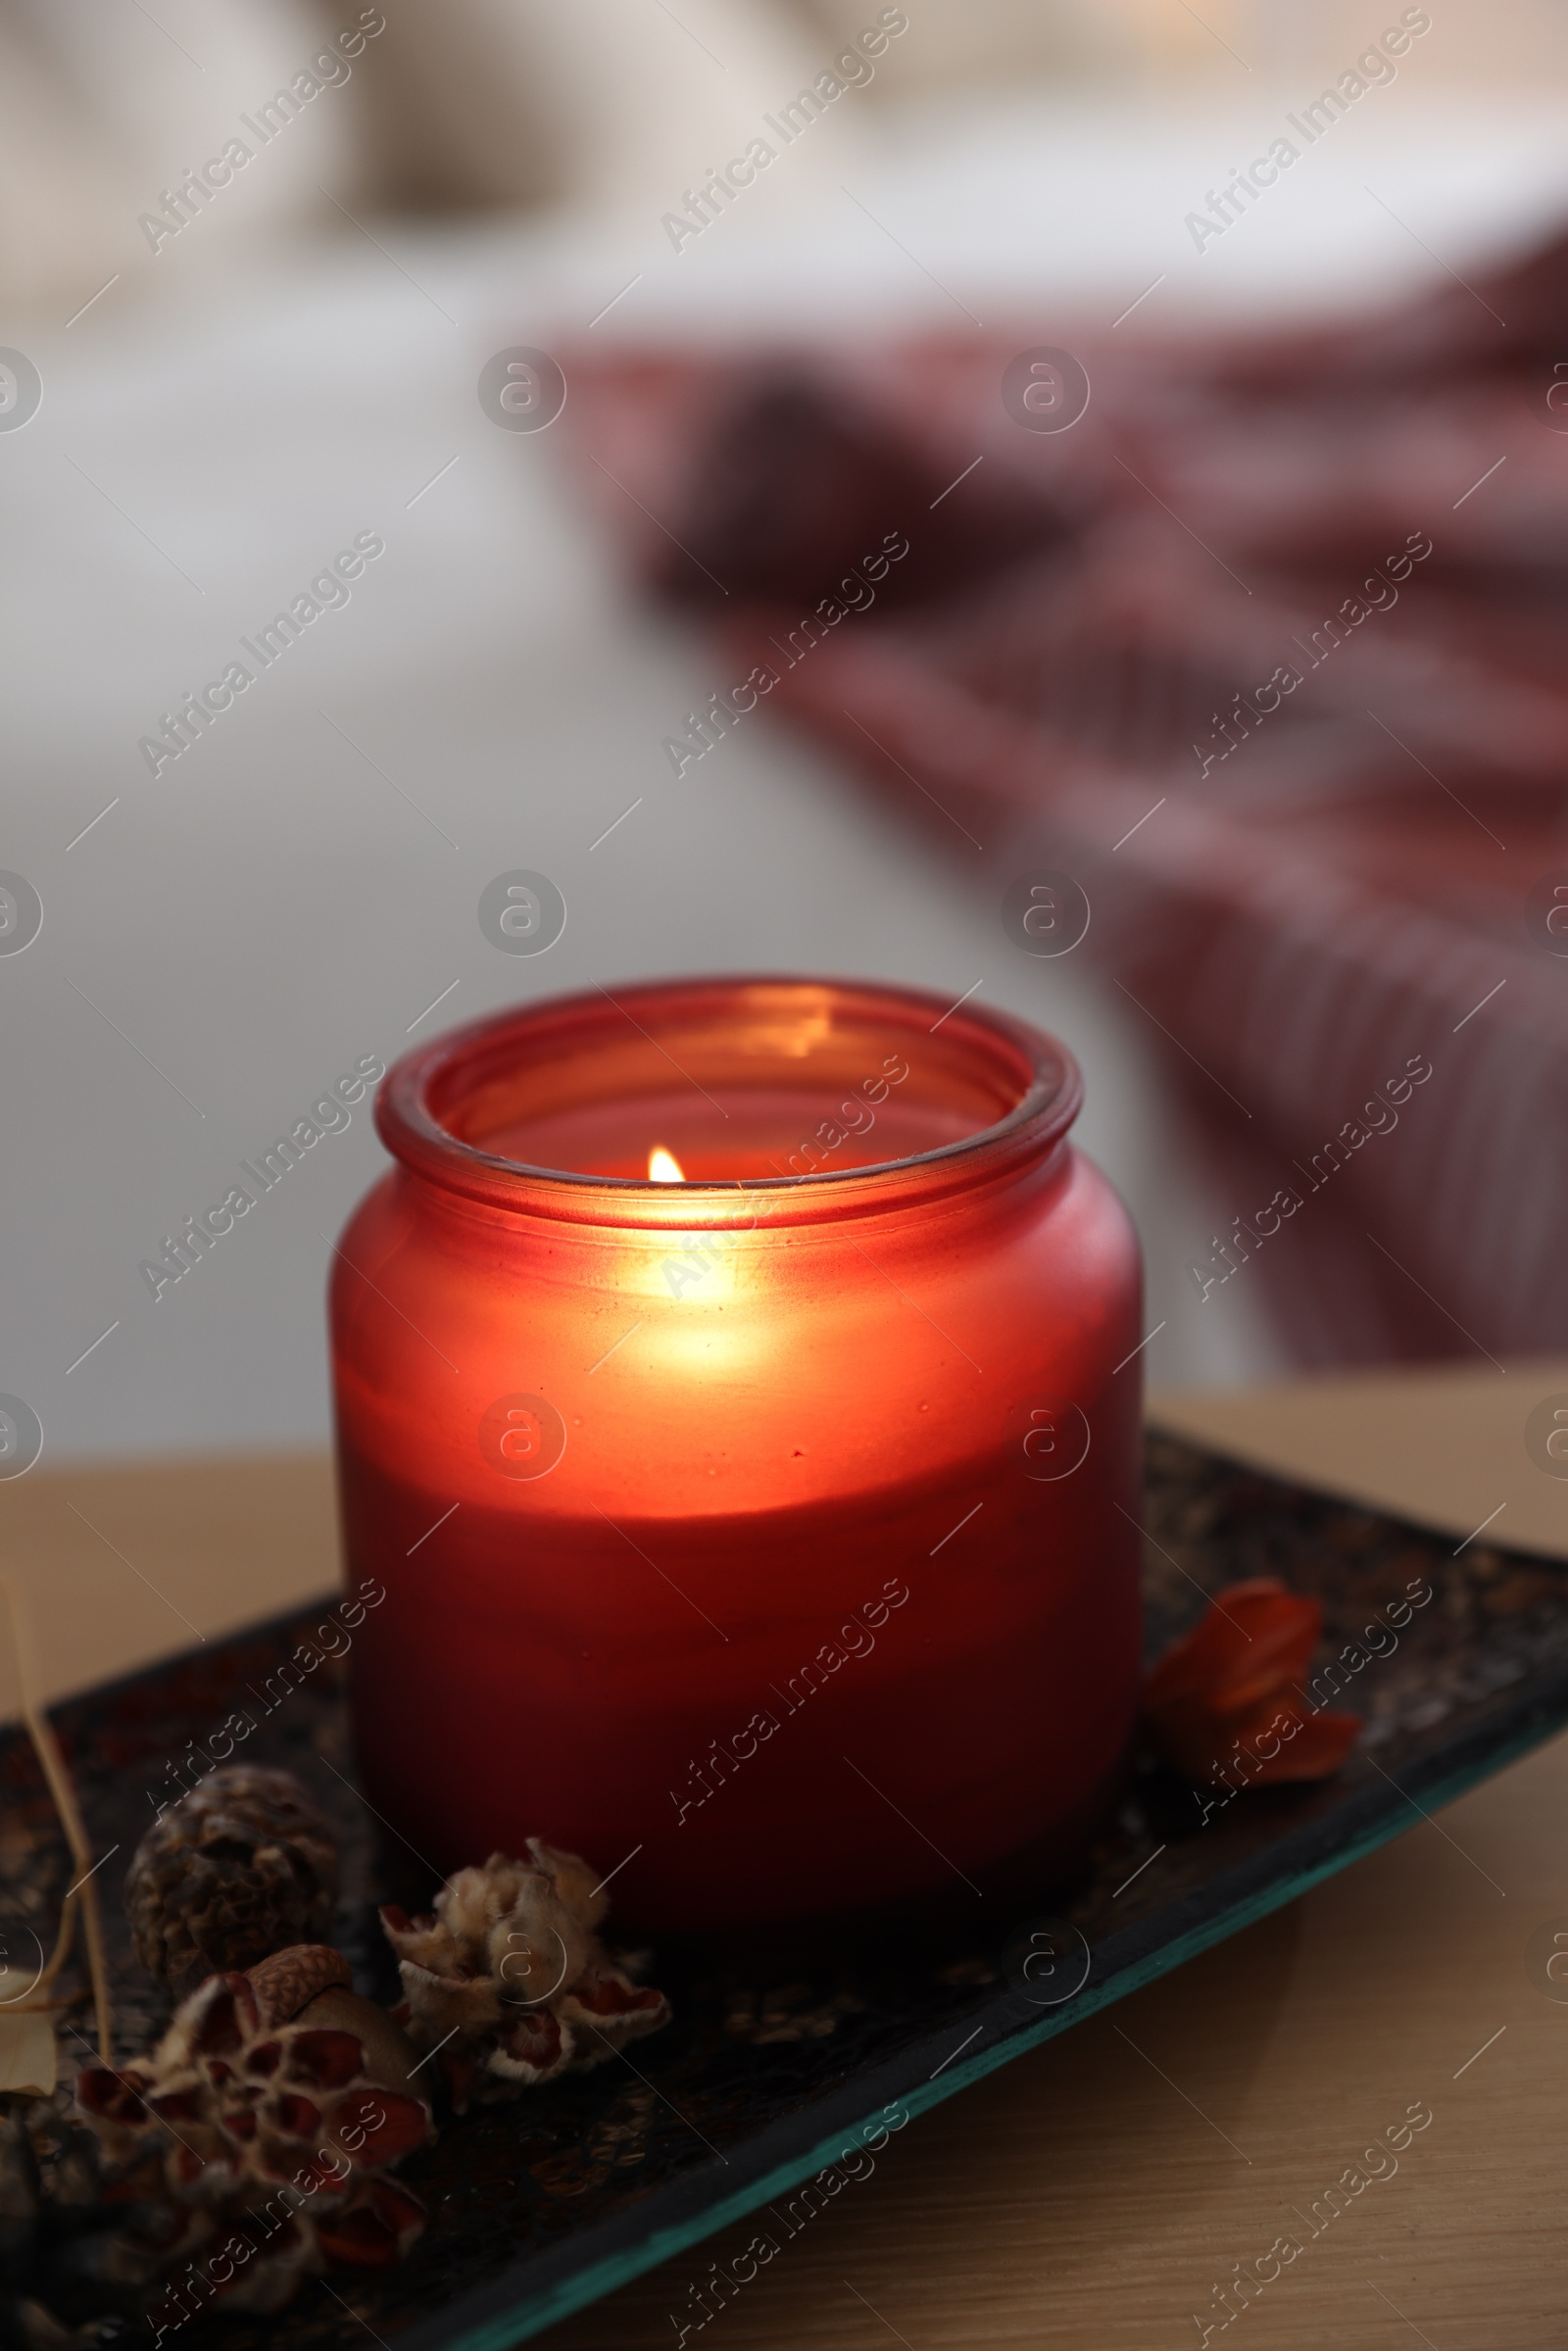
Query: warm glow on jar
755, 1510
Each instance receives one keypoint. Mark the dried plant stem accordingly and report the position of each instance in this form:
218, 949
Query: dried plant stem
83, 1895
64, 1936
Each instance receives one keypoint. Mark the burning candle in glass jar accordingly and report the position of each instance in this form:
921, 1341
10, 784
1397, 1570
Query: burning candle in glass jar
733, 1400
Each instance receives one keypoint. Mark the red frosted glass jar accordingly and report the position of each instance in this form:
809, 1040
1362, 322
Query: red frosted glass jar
756, 1535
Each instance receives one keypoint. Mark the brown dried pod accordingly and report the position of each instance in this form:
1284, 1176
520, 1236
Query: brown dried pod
509, 1979
286, 1981
310, 1983
267, 2145
390, 2057
242, 1867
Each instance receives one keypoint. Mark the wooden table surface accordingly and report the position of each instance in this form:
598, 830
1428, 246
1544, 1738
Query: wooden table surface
1093, 2194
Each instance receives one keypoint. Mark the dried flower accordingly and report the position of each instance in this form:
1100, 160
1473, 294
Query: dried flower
267, 2145
510, 1975
310, 1983
1226, 1699
240, 1867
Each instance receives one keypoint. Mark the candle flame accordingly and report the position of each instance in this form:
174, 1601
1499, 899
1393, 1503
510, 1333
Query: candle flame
664, 1167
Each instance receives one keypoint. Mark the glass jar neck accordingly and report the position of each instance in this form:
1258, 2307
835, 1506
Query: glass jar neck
783, 1101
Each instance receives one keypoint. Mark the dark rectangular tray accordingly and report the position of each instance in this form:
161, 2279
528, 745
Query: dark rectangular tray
542, 2206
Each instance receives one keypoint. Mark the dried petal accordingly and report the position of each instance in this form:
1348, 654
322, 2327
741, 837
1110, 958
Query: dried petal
315, 2176
293, 2113
323, 2057
609, 1993
459, 2071
532, 2048
422, 1941
179, 2106
1317, 1748
1252, 1637
442, 2004
376, 2125
221, 2016
578, 1884
101, 2092
1225, 1706
607, 2017
376, 2234
399, 2208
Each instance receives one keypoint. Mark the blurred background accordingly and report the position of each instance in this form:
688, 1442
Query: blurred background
211, 387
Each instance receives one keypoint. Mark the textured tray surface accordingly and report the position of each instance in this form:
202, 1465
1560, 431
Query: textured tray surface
762, 2080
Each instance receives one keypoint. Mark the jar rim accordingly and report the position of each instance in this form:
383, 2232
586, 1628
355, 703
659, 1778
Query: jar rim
438, 1073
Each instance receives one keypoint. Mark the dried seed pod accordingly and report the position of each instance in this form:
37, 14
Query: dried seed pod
267, 2144
310, 1983
286, 1981
242, 1867
390, 2057
509, 1979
